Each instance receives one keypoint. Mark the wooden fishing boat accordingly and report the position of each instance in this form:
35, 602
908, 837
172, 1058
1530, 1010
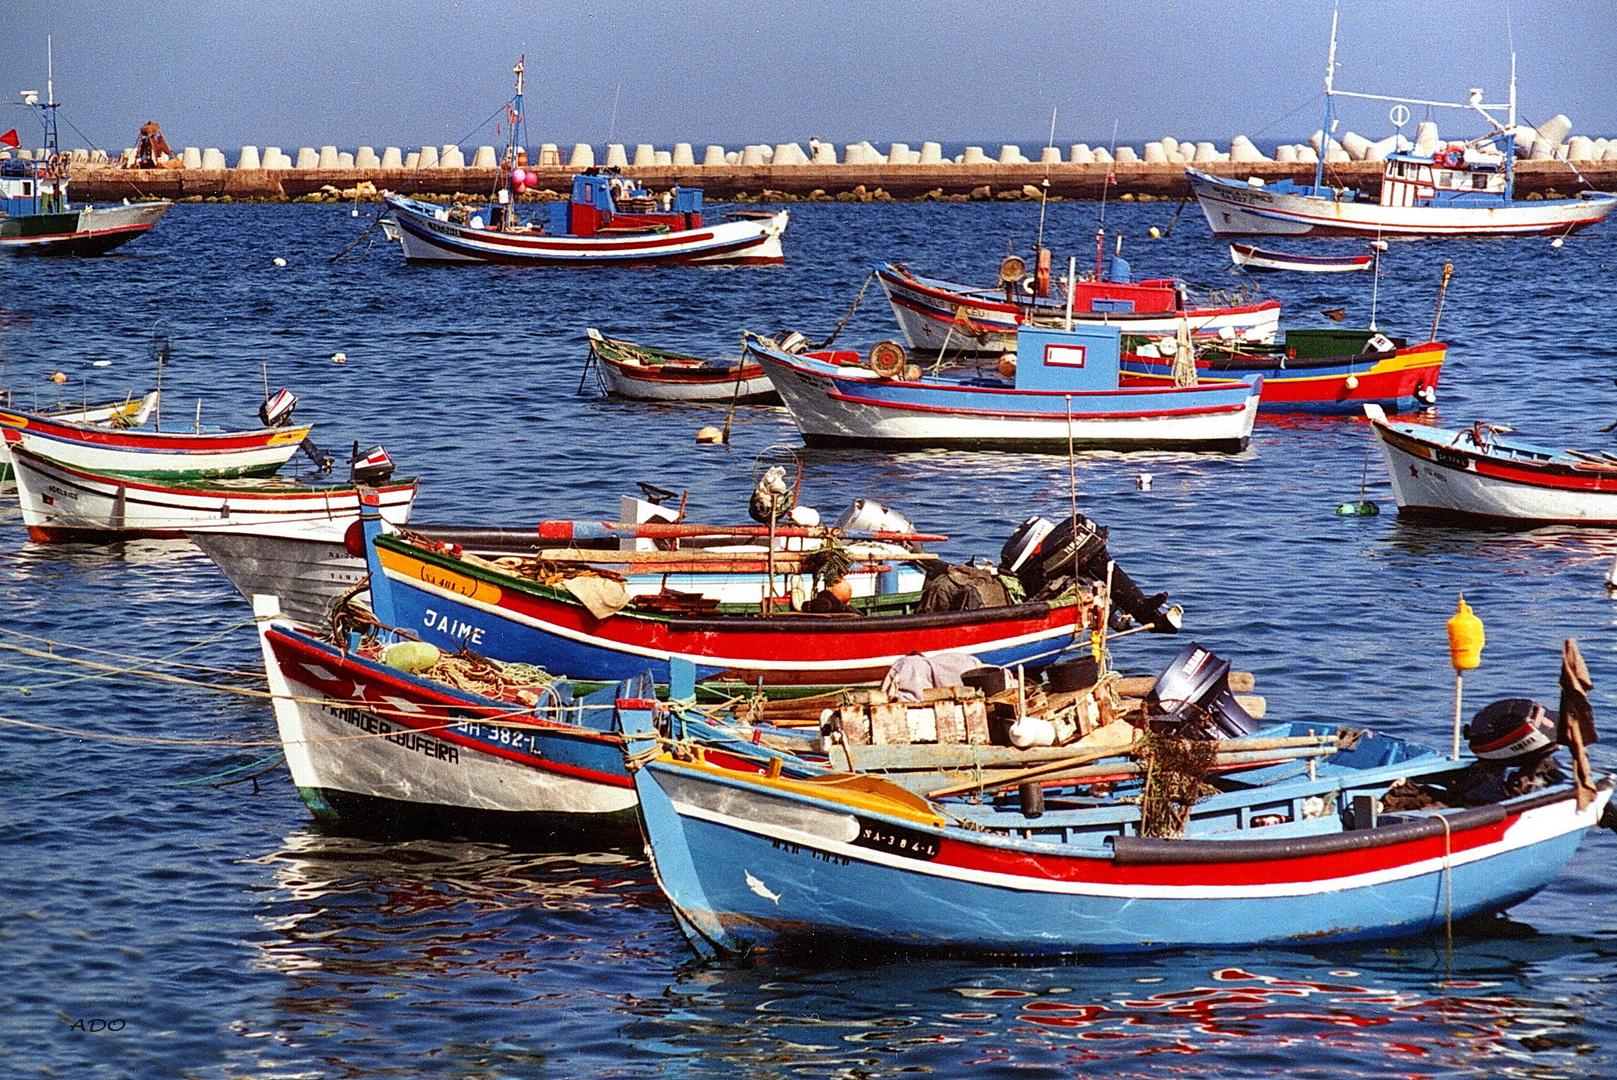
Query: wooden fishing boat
593, 631
1313, 833
934, 314
608, 220
1462, 189
1066, 390
1252, 257
178, 455
35, 216
463, 744
129, 413
62, 502
644, 373
1315, 370
309, 565
1479, 474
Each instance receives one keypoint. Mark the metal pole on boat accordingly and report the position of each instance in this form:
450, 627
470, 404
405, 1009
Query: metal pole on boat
1325, 126
1442, 290
1072, 284
1466, 639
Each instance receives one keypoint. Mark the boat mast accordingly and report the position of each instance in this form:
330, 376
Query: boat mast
1510, 135
1325, 126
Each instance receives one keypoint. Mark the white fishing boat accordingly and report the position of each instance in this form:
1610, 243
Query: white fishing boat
65, 503
130, 413
1461, 189
1252, 257
1477, 473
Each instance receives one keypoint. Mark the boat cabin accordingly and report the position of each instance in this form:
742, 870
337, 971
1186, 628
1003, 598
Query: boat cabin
31, 187
605, 202
1458, 176
1083, 359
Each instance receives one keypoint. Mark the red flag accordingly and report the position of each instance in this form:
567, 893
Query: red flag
10, 139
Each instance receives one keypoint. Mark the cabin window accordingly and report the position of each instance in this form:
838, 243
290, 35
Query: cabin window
589, 193
27, 188
1479, 181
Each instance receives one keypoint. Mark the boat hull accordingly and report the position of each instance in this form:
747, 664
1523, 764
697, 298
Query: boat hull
427, 239
1389, 380
432, 750
936, 315
454, 605
61, 503
1253, 258
836, 410
309, 566
1439, 474
89, 231
659, 384
746, 868
1236, 209
172, 455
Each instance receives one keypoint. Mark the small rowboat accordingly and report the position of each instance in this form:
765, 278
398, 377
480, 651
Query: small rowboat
129, 413
64, 503
170, 454
1315, 371
645, 373
1252, 257
1476, 474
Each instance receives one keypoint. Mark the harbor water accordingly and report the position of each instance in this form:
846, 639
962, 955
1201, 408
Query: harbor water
169, 909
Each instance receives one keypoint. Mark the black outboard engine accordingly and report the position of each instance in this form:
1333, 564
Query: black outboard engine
372, 467
1514, 731
1042, 554
1193, 698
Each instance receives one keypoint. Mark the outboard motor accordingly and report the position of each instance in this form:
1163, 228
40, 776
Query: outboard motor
1193, 696
1042, 554
374, 467
1515, 731
277, 410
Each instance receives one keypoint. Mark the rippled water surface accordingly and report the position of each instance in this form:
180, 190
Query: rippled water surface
179, 892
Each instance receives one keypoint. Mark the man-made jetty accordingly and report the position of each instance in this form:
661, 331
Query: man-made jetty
1553, 161
856, 182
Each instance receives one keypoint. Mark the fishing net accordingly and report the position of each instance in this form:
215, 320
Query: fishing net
491, 678
1175, 777
828, 564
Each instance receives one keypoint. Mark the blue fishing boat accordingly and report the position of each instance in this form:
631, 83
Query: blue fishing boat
1314, 833
1063, 388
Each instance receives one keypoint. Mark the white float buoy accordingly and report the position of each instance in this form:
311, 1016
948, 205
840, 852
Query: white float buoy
102, 363
277, 261
339, 358
1143, 481
1155, 233
1558, 241
1351, 382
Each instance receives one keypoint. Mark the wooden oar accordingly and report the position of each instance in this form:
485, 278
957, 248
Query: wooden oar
1287, 745
698, 555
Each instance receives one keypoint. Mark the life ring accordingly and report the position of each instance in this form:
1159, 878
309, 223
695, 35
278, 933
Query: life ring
888, 359
1454, 157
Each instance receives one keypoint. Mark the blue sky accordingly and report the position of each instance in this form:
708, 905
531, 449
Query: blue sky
289, 73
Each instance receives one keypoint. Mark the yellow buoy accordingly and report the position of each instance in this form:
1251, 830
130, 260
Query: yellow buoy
1466, 638
710, 436
59, 377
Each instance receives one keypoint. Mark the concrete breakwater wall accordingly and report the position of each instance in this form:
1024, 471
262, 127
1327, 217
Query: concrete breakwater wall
874, 181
